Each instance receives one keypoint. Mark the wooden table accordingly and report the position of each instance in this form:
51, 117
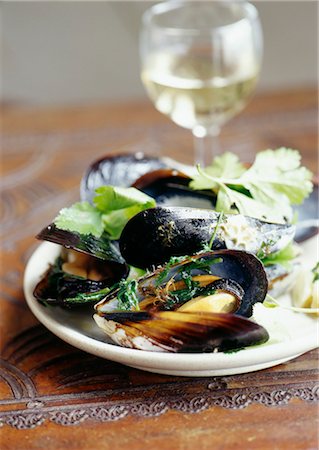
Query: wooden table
54, 396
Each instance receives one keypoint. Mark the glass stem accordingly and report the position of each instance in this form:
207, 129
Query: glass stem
206, 144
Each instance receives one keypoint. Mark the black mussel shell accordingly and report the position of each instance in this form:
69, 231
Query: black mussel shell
169, 187
151, 237
57, 287
101, 248
117, 170
241, 267
186, 332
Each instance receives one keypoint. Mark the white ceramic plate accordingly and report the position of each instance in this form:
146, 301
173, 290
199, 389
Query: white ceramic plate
291, 334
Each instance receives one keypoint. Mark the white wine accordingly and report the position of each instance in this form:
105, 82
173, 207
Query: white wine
192, 92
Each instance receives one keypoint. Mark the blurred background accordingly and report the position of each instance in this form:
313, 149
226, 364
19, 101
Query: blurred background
78, 52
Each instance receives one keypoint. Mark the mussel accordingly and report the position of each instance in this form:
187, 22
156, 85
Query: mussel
151, 237
193, 304
83, 273
117, 170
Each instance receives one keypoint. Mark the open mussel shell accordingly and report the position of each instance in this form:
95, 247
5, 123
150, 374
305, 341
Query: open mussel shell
74, 282
237, 273
72, 279
117, 170
151, 237
101, 248
63, 290
98, 265
169, 187
174, 331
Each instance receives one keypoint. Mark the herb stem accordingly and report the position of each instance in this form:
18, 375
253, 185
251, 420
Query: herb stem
275, 302
87, 297
211, 241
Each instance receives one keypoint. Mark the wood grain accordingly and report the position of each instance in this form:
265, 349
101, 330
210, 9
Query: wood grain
54, 396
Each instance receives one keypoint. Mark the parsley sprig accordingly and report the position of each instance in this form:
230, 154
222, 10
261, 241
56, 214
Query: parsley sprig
266, 190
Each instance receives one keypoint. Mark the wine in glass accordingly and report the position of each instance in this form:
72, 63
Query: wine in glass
200, 64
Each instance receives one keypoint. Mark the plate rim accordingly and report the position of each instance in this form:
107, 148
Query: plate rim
159, 360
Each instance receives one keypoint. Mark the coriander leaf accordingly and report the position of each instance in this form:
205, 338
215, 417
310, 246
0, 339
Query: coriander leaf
111, 198
284, 257
226, 164
279, 171
265, 191
118, 206
231, 201
115, 221
82, 218
135, 273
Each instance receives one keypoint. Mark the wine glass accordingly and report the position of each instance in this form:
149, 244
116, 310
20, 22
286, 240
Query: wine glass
200, 64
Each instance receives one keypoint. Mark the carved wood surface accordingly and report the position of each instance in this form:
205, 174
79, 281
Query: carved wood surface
54, 396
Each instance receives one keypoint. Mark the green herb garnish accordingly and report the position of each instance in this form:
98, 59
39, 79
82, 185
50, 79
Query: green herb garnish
201, 264
265, 191
192, 290
219, 221
271, 302
113, 208
284, 257
87, 297
234, 350
127, 295
164, 273
315, 272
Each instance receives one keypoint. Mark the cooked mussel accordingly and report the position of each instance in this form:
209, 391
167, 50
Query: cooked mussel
151, 237
86, 266
191, 305
177, 284
76, 279
117, 170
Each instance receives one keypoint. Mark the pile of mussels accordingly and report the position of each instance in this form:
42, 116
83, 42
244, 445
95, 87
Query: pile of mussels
191, 299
